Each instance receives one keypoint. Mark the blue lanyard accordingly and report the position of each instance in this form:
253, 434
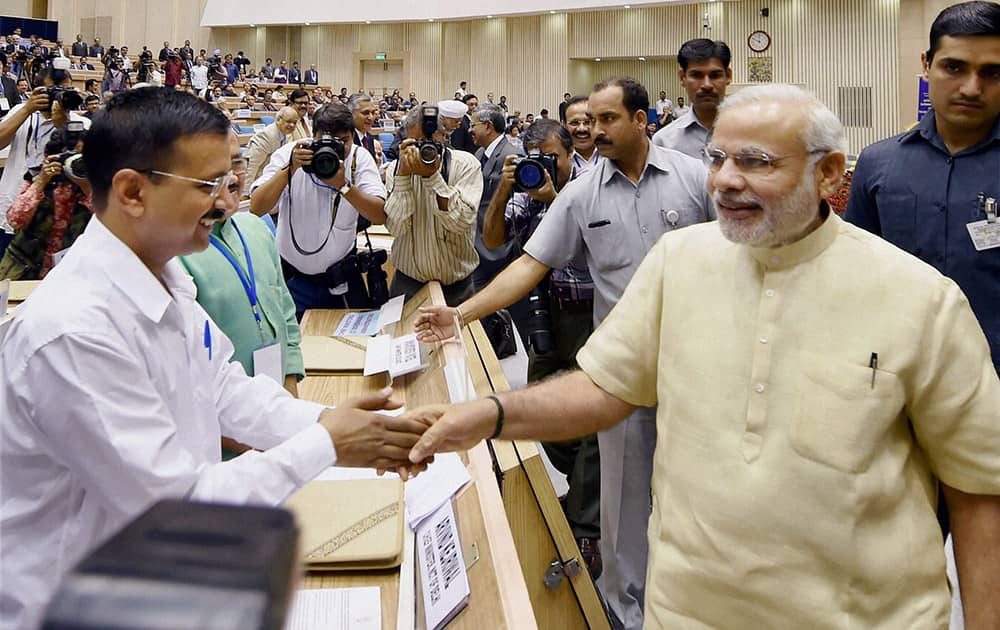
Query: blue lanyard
249, 283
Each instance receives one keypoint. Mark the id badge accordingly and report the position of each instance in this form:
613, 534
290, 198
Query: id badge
267, 361
985, 235
4, 105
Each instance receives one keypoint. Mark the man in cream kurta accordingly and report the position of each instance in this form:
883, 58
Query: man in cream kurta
811, 382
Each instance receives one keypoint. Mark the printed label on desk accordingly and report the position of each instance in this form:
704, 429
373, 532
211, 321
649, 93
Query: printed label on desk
358, 325
443, 578
985, 235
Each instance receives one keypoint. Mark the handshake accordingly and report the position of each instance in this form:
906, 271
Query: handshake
405, 443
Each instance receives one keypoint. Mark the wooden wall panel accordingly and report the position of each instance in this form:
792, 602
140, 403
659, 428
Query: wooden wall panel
457, 61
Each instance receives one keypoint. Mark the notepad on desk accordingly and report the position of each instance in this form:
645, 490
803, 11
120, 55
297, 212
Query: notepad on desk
350, 525
333, 354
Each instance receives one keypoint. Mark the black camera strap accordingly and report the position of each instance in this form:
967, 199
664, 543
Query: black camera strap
335, 203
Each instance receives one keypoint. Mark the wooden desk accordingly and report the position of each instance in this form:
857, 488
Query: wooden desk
528, 525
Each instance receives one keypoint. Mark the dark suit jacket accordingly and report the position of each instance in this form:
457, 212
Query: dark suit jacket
491, 179
294, 76
164, 54
360, 141
9, 92
312, 77
79, 49
461, 138
96, 51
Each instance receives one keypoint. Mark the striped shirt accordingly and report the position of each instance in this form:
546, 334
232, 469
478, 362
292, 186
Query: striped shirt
433, 244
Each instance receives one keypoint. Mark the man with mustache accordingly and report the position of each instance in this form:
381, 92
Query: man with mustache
803, 411
610, 216
920, 190
580, 126
705, 74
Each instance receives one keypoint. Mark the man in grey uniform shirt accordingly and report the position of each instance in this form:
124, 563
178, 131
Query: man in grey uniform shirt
705, 74
613, 214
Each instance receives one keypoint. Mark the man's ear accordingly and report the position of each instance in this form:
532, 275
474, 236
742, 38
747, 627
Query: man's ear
128, 190
829, 173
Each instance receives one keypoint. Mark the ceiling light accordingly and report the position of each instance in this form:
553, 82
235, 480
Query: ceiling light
552, 12
597, 58
430, 19
489, 17
253, 26
628, 6
307, 23
642, 59
368, 21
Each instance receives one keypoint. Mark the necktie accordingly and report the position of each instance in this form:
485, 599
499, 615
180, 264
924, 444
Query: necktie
483, 158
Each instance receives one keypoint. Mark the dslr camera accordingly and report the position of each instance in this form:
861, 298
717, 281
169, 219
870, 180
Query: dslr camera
540, 319
370, 263
428, 148
328, 152
68, 98
62, 143
529, 172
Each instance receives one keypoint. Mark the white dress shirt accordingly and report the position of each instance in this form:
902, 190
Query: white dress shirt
313, 205
114, 397
199, 77
27, 150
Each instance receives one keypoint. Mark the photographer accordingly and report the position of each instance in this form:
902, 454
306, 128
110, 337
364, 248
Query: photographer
434, 193
318, 212
27, 128
115, 78
52, 210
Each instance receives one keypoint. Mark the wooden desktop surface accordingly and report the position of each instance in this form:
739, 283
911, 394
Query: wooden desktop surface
498, 594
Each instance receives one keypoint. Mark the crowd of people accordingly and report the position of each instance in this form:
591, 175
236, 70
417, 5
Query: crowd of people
753, 434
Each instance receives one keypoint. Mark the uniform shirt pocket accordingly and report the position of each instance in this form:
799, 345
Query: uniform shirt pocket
608, 244
843, 420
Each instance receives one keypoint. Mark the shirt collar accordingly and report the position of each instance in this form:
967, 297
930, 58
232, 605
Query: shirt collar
133, 278
654, 159
493, 146
927, 129
802, 250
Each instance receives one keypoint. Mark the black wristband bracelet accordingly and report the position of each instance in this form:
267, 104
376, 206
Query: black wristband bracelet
499, 427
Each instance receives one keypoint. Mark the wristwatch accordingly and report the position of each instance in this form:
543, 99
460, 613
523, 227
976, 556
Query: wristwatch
343, 189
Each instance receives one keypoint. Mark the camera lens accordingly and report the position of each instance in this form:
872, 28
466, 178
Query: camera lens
74, 166
529, 174
325, 162
428, 153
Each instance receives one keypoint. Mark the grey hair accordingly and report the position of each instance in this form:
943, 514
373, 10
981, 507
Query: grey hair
354, 101
414, 117
824, 131
491, 114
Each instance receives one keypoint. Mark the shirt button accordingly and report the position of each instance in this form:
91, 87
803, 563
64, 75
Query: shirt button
769, 293
759, 388
763, 339
645, 230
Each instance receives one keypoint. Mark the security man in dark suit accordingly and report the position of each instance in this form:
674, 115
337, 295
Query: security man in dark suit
461, 138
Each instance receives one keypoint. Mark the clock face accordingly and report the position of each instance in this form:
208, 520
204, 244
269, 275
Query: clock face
759, 41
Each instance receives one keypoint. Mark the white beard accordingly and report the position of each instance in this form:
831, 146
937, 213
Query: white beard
779, 223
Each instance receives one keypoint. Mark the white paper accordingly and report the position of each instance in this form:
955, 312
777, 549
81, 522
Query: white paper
358, 325
443, 578
395, 356
426, 492
405, 356
242, 113
336, 609
391, 312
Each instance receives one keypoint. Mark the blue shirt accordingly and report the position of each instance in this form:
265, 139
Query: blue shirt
913, 192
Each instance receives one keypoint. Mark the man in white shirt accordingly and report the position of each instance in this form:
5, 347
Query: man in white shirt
144, 380
199, 75
664, 109
317, 218
25, 129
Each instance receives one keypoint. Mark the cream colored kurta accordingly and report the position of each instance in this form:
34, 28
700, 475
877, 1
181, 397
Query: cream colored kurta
790, 492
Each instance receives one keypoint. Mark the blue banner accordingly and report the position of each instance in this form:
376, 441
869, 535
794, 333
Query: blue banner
923, 99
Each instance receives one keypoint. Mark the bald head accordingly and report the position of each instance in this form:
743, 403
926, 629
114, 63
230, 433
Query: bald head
286, 119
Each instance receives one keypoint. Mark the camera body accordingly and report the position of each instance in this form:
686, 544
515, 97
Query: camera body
328, 153
69, 99
529, 172
428, 148
370, 263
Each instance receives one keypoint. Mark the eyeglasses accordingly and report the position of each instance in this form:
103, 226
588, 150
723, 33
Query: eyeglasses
225, 181
756, 162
